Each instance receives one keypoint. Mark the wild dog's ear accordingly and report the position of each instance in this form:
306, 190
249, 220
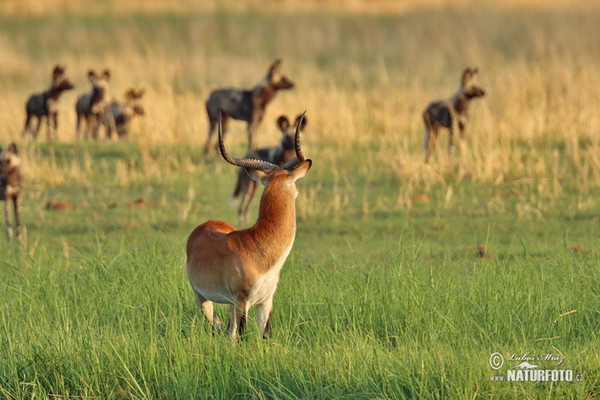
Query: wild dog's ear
283, 123
140, 93
58, 71
106, 74
92, 75
467, 74
130, 94
475, 70
274, 68
303, 124
12, 148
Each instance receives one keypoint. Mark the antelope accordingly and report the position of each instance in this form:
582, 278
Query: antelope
46, 104
244, 105
123, 112
11, 187
279, 155
451, 112
94, 106
241, 267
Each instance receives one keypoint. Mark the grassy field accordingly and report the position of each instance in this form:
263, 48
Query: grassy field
387, 293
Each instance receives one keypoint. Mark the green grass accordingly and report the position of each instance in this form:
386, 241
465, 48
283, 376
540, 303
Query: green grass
384, 295
393, 304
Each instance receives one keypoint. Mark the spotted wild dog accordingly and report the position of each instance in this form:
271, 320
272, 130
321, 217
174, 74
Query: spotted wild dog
245, 105
451, 112
94, 106
123, 112
46, 104
11, 187
278, 155
241, 267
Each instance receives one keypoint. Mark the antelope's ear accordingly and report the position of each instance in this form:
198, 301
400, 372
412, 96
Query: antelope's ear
12, 148
257, 175
283, 123
301, 169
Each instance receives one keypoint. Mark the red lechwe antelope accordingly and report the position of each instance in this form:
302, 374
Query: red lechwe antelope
241, 267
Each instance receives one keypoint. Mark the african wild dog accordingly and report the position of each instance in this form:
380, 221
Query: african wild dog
11, 187
245, 105
94, 106
46, 104
123, 112
451, 112
278, 155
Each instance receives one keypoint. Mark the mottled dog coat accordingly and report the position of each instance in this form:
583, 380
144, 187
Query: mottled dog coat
245, 105
278, 155
451, 112
46, 104
94, 106
11, 187
123, 112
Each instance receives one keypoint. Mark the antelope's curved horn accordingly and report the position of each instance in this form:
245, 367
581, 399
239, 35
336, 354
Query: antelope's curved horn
299, 153
242, 162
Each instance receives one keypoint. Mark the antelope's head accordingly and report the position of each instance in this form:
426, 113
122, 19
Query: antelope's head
270, 174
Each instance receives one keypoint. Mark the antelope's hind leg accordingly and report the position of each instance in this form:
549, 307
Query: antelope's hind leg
209, 312
263, 318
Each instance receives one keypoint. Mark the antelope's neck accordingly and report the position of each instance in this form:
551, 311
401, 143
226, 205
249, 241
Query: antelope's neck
274, 231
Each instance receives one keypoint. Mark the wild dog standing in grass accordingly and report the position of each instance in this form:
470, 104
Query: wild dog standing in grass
278, 155
11, 187
123, 112
46, 104
451, 112
245, 105
94, 106
241, 268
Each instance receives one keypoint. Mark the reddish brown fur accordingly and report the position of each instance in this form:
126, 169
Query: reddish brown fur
241, 267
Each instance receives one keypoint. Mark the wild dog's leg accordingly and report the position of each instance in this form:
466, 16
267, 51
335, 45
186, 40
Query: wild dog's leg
77, 126
95, 126
246, 201
211, 131
249, 132
209, 312
9, 232
428, 140
263, 317
224, 129
450, 140
26, 129
54, 125
37, 127
17, 211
